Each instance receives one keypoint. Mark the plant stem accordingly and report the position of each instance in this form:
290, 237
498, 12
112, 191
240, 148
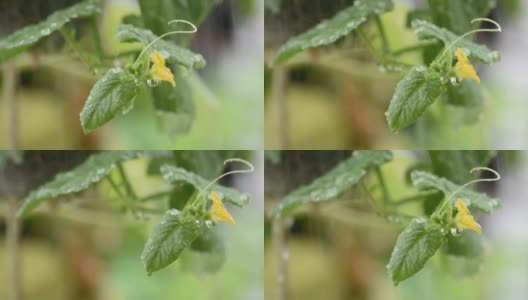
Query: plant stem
413, 198
414, 48
10, 105
70, 39
281, 240
381, 179
279, 84
365, 39
97, 38
13, 248
370, 197
383, 35
155, 196
125, 181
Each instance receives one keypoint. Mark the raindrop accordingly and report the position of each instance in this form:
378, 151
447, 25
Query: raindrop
209, 223
454, 81
420, 220
421, 68
174, 212
456, 231
443, 231
45, 31
153, 83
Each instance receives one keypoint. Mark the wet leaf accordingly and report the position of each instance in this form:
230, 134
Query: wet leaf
415, 245
480, 201
426, 30
414, 93
91, 171
24, 38
329, 31
112, 94
332, 184
166, 242
179, 175
172, 52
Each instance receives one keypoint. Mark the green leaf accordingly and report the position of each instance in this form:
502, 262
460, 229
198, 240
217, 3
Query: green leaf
329, 31
91, 171
179, 175
112, 94
426, 30
332, 184
465, 253
170, 237
456, 15
427, 181
208, 253
468, 244
26, 37
469, 96
415, 245
455, 164
175, 106
206, 163
172, 52
414, 93
157, 14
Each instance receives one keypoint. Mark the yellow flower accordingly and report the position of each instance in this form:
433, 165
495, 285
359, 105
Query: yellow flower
218, 212
463, 68
159, 71
464, 219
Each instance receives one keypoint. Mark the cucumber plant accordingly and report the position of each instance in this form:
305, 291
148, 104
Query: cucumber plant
140, 71
445, 31
191, 205
446, 222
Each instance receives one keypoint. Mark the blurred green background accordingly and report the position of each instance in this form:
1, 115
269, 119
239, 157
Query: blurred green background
335, 97
339, 249
53, 85
85, 247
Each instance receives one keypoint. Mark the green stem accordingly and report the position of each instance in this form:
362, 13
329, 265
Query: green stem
367, 42
115, 187
413, 48
125, 181
413, 198
97, 38
155, 196
70, 39
381, 179
383, 35
370, 197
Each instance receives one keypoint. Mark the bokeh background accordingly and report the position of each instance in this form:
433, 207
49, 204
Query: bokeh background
335, 97
339, 249
85, 247
53, 84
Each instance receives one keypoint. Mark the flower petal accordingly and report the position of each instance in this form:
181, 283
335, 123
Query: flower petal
463, 68
157, 58
464, 219
218, 212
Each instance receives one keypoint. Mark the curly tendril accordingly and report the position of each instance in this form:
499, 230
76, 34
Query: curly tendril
193, 30
497, 29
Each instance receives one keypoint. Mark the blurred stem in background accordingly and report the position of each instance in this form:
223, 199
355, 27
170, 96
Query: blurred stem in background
281, 240
280, 81
13, 246
10, 105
